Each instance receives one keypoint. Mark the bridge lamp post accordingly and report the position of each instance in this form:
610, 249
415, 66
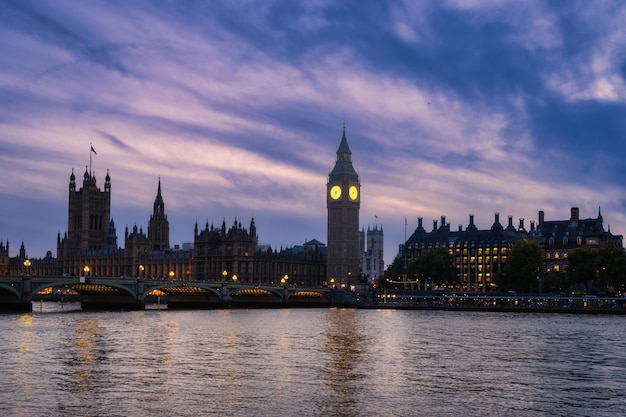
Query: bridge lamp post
141, 269
171, 274
86, 270
235, 278
27, 265
224, 273
332, 282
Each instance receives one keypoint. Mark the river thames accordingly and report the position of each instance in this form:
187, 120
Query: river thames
310, 362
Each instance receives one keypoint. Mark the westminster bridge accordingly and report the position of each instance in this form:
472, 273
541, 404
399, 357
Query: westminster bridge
17, 293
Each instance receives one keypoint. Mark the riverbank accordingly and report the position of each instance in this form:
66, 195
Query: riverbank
501, 303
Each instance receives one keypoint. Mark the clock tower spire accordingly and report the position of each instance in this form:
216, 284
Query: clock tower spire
343, 200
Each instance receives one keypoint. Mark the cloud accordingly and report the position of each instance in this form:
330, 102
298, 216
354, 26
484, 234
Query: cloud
450, 108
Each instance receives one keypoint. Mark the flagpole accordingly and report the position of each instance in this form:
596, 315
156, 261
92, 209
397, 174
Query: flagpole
90, 148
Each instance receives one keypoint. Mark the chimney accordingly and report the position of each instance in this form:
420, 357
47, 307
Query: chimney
521, 225
443, 222
496, 218
434, 225
471, 219
574, 214
419, 223
460, 228
541, 218
532, 225
510, 221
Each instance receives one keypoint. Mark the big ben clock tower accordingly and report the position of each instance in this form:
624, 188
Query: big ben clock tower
343, 200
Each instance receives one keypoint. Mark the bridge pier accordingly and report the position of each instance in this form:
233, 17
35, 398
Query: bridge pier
15, 303
12, 306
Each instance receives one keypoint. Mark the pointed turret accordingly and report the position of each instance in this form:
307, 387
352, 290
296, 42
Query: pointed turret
159, 227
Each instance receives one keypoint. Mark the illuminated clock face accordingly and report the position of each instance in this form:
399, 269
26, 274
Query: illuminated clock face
335, 192
353, 192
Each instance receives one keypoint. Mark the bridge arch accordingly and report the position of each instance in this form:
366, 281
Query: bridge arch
256, 296
86, 287
10, 289
308, 297
168, 288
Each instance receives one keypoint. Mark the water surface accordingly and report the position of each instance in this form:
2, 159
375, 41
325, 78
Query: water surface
310, 362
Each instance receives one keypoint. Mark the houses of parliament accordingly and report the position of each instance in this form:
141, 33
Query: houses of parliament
231, 252
89, 247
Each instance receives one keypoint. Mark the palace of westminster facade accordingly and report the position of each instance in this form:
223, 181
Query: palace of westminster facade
218, 253
227, 252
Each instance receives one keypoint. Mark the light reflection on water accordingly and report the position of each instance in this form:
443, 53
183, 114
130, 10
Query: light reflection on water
310, 362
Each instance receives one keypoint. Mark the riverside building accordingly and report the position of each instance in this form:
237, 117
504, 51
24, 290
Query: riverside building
478, 255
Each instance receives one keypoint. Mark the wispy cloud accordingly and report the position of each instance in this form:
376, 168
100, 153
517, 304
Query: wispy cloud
451, 108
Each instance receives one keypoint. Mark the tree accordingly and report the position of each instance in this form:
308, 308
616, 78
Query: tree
580, 266
610, 265
395, 270
435, 266
522, 268
556, 282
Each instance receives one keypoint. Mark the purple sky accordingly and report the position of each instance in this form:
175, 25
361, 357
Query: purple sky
451, 108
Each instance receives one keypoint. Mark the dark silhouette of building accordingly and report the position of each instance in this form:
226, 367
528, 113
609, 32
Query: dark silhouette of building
303, 265
159, 227
4, 258
559, 237
343, 200
372, 253
89, 247
89, 214
221, 253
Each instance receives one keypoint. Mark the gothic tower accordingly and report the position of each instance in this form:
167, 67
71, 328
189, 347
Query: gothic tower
372, 262
159, 227
343, 200
89, 214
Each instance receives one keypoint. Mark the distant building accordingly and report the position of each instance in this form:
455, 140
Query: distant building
158, 226
221, 253
89, 247
372, 253
477, 254
559, 237
4, 258
303, 265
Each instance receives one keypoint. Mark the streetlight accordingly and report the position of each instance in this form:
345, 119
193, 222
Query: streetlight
141, 269
27, 265
234, 278
171, 274
332, 282
86, 270
224, 273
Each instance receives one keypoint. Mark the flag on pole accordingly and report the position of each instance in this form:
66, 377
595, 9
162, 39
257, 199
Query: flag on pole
93, 150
